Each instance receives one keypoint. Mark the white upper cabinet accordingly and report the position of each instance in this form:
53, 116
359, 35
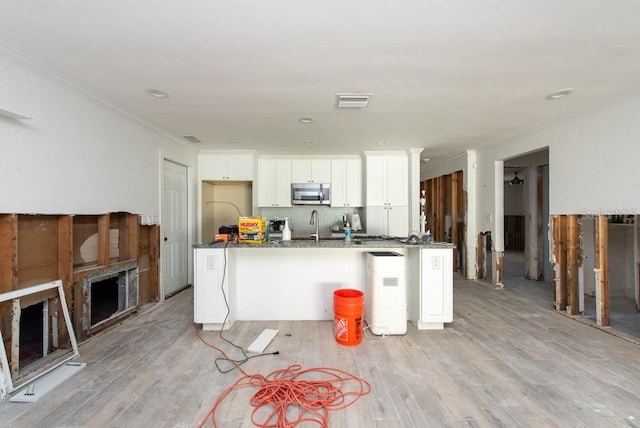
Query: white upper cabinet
310, 170
232, 167
274, 183
346, 183
387, 180
387, 194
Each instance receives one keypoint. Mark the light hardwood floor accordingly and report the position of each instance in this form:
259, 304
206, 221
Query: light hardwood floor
506, 360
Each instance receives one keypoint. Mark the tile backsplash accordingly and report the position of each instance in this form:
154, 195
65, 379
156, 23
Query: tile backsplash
300, 216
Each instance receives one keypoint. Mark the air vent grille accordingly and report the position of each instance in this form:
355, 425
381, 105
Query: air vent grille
191, 139
350, 100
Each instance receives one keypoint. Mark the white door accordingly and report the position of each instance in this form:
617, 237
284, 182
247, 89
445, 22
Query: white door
174, 227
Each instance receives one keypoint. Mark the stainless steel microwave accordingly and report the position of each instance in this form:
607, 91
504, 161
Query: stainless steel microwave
310, 194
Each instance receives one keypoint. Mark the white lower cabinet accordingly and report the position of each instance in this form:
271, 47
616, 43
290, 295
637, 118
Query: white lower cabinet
209, 302
431, 295
388, 220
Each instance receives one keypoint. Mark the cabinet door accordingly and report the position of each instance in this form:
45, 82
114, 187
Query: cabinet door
300, 171
226, 167
397, 180
311, 171
321, 171
376, 220
212, 167
274, 186
208, 303
339, 183
282, 183
353, 182
436, 285
376, 180
266, 182
240, 167
398, 218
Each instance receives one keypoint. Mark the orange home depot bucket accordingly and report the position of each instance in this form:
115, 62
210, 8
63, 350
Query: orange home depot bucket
348, 307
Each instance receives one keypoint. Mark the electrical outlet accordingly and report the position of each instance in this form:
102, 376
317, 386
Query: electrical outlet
435, 262
211, 263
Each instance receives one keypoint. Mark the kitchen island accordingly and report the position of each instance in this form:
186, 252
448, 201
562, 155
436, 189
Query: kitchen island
295, 280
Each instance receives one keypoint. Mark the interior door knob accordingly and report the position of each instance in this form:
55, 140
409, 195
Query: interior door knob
166, 239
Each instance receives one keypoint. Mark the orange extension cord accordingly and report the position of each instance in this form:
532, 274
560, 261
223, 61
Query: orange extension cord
292, 387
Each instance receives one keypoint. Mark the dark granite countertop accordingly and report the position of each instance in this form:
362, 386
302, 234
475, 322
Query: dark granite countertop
357, 242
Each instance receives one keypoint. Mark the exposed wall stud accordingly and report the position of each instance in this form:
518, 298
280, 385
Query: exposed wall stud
104, 225
454, 218
15, 338
499, 269
602, 277
573, 305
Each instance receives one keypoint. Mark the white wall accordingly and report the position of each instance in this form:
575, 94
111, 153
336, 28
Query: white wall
77, 155
431, 170
592, 163
591, 158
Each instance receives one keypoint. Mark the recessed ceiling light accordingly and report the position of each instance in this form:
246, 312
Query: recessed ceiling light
560, 94
305, 120
381, 143
309, 143
235, 143
425, 159
157, 93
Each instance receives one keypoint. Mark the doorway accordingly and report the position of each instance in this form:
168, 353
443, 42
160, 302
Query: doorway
526, 216
446, 213
174, 230
222, 203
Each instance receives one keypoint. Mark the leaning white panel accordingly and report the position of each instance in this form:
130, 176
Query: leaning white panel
6, 383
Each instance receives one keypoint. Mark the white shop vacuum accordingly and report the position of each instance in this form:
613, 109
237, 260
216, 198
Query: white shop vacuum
386, 293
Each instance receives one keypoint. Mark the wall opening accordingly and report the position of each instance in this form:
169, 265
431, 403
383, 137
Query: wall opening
104, 299
108, 295
526, 216
32, 334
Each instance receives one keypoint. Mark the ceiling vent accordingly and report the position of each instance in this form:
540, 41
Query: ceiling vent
191, 139
353, 100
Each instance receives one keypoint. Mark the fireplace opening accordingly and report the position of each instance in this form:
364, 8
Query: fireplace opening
104, 299
31, 333
108, 295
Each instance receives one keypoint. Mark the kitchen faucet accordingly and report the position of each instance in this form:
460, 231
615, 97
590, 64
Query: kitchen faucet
315, 220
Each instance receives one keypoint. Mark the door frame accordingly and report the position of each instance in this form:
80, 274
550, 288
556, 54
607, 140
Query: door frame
190, 224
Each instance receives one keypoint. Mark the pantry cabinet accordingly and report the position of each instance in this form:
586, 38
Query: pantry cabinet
387, 197
387, 180
346, 183
310, 170
211, 289
227, 167
274, 183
